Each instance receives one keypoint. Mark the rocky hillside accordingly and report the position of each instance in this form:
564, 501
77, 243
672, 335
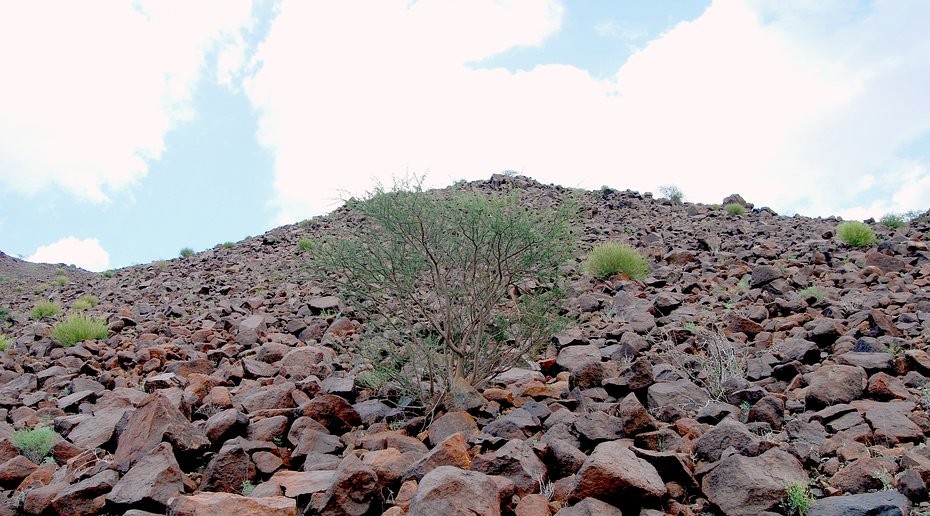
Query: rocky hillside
760, 356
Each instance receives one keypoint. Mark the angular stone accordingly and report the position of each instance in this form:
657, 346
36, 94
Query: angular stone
152, 481
451, 423
727, 433
215, 504
228, 469
354, 490
832, 384
450, 491
156, 420
451, 452
749, 486
84, 497
613, 473
680, 394
881, 503
516, 461
634, 418
333, 412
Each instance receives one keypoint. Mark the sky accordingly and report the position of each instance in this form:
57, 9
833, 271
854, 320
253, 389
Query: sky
132, 129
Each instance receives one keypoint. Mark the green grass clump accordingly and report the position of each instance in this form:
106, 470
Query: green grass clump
305, 244
735, 208
84, 302
856, 234
36, 443
185, 252
77, 328
613, 258
893, 221
5, 342
813, 291
60, 281
672, 193
798, 499
228, 245
45, 309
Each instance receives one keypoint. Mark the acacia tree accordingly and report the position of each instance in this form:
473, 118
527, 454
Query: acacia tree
457, 287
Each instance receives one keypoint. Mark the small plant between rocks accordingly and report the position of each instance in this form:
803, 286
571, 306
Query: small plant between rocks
735, 208
672, 193
76, 328
45, 309
893, 221
185, 252
34, 444
614, 258
798, 499
856, 234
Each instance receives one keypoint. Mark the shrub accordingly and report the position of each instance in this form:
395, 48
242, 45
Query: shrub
247, 488
60, 281
107, 273
735, 208
440, 274
714, 363
893, 221
228, 245
613, 258
305, 244
5, 342
798, 499
35, 444
185, 252
45, 309
813, 291
85, 302
856, 234
77, 328
672, 193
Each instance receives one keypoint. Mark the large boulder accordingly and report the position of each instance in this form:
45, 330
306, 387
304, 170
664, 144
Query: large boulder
880, 503
450, 491
152, 481
834, 384
354, 490
214, 504
155, 421
614, 474
747, 486
516, 461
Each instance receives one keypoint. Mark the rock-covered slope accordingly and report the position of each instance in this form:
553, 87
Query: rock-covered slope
760, 353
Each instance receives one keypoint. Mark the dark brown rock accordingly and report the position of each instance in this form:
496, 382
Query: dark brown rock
333, 412
516, 461
451, 491
748, 486
613, 473
151, 482
156, 420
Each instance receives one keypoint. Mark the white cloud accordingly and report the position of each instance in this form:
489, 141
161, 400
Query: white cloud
799, 107
87, 254
91, 88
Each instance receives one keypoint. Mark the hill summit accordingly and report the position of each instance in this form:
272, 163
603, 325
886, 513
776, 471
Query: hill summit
762, 365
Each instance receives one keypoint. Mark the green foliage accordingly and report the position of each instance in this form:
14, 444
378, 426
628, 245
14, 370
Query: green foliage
743, 283
613, 258
813, 291
45, 309
856, 234
85, 302
34, 444
247, 488
441, 273
672, 193
60, 281
228, 245
76, 328
893, 221
5, 342
735, 208
798, 499
107, 273
305, 244
185, 252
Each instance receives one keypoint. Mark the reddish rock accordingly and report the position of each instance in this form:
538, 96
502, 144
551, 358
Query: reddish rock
450, 491
215, 504
516, 461
890, 423
333, 412
748, 486
86, 496
229, 469
451, 423
152, 481
156, 420
832, 384
634, 418
613, 473
354, 490
13, 471
451, 452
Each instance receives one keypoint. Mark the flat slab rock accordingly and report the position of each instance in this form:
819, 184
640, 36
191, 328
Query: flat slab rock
215, 504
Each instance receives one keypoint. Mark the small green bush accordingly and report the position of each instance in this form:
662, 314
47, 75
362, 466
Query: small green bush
228, 245
247, 488
893, 221
735, 208
36, 443
813, 291
856, 234
85, 302
613, 258
5, 342
305, 244
185, 252
798, 499
672, 193
60, 281
45, 309
77, 328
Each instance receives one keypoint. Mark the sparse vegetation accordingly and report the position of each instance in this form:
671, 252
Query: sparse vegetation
85, 302
60, 281
893, 221
34, 444
440, 273
814, 292
107, 273
856, 234
247, 488
613, 258
714, 363
5, 342
672, 193
228, 245
305, 244
45, 309
735, 208
77, 328
798, 499
185, 252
